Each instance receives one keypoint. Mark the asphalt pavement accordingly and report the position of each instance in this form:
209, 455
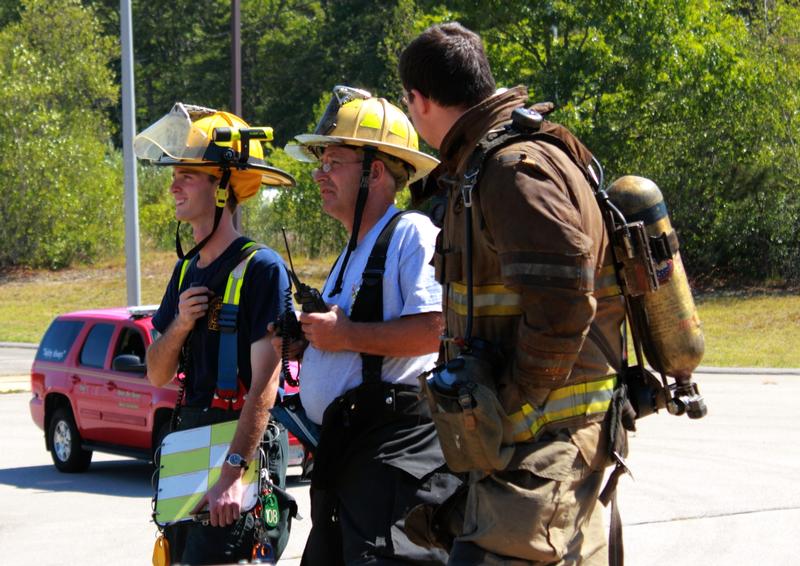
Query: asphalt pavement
720, 490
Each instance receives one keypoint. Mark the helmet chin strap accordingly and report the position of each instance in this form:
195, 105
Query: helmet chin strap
361, 201
221, 200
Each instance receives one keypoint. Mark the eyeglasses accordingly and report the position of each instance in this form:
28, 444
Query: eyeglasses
326, 167
341, 96
407, 98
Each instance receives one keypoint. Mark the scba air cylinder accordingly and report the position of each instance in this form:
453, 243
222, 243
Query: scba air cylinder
666, 318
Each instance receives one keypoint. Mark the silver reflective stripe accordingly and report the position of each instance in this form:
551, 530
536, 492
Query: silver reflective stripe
543, 269
552, 274
486, 300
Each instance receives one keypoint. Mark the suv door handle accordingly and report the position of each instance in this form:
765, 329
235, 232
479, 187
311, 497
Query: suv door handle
75, 379
111, 386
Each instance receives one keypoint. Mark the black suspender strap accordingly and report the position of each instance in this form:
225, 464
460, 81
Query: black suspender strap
368, 305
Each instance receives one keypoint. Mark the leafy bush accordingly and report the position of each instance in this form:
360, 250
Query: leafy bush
61, 196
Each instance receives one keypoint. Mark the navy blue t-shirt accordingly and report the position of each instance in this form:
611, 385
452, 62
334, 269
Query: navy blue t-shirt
263, 294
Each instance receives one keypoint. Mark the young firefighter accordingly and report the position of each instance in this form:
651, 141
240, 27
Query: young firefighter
524, 243
378, 455
231, 370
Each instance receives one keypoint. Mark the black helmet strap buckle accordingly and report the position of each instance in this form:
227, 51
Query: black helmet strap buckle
222, 188
361, 202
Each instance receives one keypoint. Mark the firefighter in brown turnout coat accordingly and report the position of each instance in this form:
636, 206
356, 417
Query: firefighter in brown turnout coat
533, 313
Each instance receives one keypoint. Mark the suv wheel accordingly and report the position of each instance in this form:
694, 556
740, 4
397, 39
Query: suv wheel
65, 443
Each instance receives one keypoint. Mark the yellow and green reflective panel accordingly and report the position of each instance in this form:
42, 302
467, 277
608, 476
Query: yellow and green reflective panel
191, 461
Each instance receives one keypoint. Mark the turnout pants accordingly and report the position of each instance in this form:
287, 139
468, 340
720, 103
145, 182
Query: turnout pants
543, 509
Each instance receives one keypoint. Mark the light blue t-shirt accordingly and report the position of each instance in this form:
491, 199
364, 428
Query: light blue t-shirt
409, 288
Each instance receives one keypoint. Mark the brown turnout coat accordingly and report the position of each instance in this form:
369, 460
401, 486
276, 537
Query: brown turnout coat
542, 272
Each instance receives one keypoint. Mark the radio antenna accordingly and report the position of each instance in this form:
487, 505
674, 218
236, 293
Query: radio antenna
291, 265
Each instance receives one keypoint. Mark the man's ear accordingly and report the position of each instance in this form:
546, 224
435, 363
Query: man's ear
377, 169
424, 105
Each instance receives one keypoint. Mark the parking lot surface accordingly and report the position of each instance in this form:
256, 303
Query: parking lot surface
720, 490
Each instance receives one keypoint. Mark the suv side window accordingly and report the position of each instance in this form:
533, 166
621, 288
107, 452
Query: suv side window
130, 342
58, 340
94, 349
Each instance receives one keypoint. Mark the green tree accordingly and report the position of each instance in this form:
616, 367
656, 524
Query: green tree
61, 196
298, 210
700, 96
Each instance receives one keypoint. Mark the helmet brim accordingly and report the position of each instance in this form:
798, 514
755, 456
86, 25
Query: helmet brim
270, 176
303, 150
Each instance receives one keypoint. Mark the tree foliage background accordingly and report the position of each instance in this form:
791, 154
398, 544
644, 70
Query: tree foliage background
702, 96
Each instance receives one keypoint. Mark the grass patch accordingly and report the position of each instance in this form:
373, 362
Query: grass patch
742, 329
30, 299
751, 329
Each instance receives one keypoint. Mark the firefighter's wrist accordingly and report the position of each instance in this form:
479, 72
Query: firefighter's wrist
230, 474
236, 461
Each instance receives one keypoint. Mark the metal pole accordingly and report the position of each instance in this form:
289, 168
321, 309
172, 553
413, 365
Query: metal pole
129, 159
236, 58
236, 78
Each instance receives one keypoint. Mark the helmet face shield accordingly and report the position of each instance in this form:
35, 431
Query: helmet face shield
195, 136
174, 135
341, 96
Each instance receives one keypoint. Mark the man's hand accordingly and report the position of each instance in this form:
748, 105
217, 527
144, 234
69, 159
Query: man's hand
296, 347
192, 304
164, 353
224, 499
328, 331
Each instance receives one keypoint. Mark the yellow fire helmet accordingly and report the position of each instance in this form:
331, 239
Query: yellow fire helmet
195, 136
355, 118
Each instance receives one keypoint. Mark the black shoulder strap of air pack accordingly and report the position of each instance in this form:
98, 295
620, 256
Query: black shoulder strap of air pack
368, 305
525, 125
528, 124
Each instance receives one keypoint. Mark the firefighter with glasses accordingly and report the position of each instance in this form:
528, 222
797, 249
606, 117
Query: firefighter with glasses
378, 455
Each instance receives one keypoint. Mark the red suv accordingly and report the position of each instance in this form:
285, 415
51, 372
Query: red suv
90, 391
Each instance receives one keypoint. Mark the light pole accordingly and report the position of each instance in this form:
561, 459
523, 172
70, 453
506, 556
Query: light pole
236, 77
236, 58
129, 159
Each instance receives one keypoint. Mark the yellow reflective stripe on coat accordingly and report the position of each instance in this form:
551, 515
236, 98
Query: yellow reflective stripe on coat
487, 300
579, 400
233, 288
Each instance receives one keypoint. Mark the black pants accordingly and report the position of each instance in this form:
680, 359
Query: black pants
195, 543
361, 519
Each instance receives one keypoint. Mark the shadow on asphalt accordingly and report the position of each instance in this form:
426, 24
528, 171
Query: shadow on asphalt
123, 478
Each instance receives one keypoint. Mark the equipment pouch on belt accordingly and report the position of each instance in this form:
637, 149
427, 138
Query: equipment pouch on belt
473, 429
